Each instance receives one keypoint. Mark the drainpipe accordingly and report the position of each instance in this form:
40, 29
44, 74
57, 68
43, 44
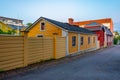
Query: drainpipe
78, 42
67, 48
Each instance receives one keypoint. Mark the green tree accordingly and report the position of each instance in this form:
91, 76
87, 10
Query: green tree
29, 24
13, 32
116, 37
9, 32
1, 31
115, 41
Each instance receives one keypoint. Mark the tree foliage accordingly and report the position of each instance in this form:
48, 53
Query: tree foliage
8, 32
29, 24
116, 37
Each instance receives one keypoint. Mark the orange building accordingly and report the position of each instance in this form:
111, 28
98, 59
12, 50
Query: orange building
106, 22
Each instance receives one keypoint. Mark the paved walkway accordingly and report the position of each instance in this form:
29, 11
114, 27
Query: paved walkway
104, 65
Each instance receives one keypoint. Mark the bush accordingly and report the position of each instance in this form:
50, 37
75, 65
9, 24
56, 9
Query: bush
1, 32
9, 32
115, 41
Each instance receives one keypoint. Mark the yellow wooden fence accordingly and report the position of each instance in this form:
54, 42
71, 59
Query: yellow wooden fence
40, 49
11, 52
19, 51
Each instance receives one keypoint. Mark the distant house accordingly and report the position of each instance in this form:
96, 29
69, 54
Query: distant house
77, 38
5, 29
105, 36
106, 22
15, 24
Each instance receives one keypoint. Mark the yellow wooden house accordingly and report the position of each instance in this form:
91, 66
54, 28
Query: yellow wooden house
4, 28
77, 39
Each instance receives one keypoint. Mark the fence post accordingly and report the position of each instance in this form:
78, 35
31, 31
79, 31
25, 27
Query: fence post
54, 47
25, 48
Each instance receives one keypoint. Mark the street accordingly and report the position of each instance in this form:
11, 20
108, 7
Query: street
103, 65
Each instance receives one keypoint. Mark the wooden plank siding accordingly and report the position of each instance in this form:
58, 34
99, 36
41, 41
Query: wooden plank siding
11, 52
20, 51
73, 49
15, 53
85, 45
50, 29
40, 49
60, 47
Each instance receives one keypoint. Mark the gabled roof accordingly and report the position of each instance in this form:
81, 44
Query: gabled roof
105, 20
64, 26
93, 24
108, 31
10, 18
94, 29
98, 27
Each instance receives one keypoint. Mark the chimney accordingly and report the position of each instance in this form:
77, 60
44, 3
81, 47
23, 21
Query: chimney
70, 21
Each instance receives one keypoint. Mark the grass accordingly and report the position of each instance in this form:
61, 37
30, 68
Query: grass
1, 70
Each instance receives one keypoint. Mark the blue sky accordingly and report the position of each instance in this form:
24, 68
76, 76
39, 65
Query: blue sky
61, 10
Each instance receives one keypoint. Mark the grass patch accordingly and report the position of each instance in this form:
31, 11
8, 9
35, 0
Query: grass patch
1, 70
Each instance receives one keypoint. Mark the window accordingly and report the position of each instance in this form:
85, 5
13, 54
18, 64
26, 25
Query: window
88, 40
42, 26
82, 40
39, 35
74, 41
93, 39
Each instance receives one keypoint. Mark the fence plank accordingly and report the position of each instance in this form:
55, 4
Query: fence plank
20, 51
60, 47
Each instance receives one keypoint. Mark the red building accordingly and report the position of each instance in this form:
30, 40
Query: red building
105, 36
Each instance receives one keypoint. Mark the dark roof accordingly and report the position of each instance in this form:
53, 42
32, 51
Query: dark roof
65, 26
94, 29
108, 31
93, 24
99, 27
10, 18
16, 27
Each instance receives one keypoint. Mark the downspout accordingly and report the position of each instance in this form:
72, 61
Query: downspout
67, 44
78, 42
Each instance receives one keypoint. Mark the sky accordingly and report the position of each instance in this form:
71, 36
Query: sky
61, 10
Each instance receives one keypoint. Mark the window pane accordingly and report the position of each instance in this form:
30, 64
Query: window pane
42, 26
93, 39
74, 41
88, 40
82, 40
